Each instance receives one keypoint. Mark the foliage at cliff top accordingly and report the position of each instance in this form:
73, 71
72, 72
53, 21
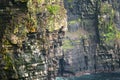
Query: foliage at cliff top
52, 13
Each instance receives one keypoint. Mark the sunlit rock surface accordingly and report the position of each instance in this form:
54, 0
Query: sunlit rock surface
31, 34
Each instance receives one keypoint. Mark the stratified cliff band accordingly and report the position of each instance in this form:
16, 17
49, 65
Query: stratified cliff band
31, 34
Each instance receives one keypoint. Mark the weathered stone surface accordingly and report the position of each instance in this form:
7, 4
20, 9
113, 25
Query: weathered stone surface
29, 30
91, 41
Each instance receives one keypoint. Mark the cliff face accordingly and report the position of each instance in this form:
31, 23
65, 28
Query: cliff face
31, 33
94, 44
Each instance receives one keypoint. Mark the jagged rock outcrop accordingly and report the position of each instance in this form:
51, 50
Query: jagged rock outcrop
31, 33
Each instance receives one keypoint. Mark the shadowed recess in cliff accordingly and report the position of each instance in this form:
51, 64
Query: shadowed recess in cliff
92, 41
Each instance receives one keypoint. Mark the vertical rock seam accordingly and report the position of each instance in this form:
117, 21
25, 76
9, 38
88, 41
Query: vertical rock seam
97, 47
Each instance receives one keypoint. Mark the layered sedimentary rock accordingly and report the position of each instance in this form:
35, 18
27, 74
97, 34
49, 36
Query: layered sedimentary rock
94, 45
31, 33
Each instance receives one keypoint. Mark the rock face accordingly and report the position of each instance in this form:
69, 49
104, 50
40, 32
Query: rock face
94, 44
31, 34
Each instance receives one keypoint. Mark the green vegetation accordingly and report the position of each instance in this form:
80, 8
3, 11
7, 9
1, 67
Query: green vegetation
108, 31
53, 9
70, 0
67, 45
8, 61
51, 24
105, 8
106, 23
39, 1
21, 0
118, 34
74, 21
